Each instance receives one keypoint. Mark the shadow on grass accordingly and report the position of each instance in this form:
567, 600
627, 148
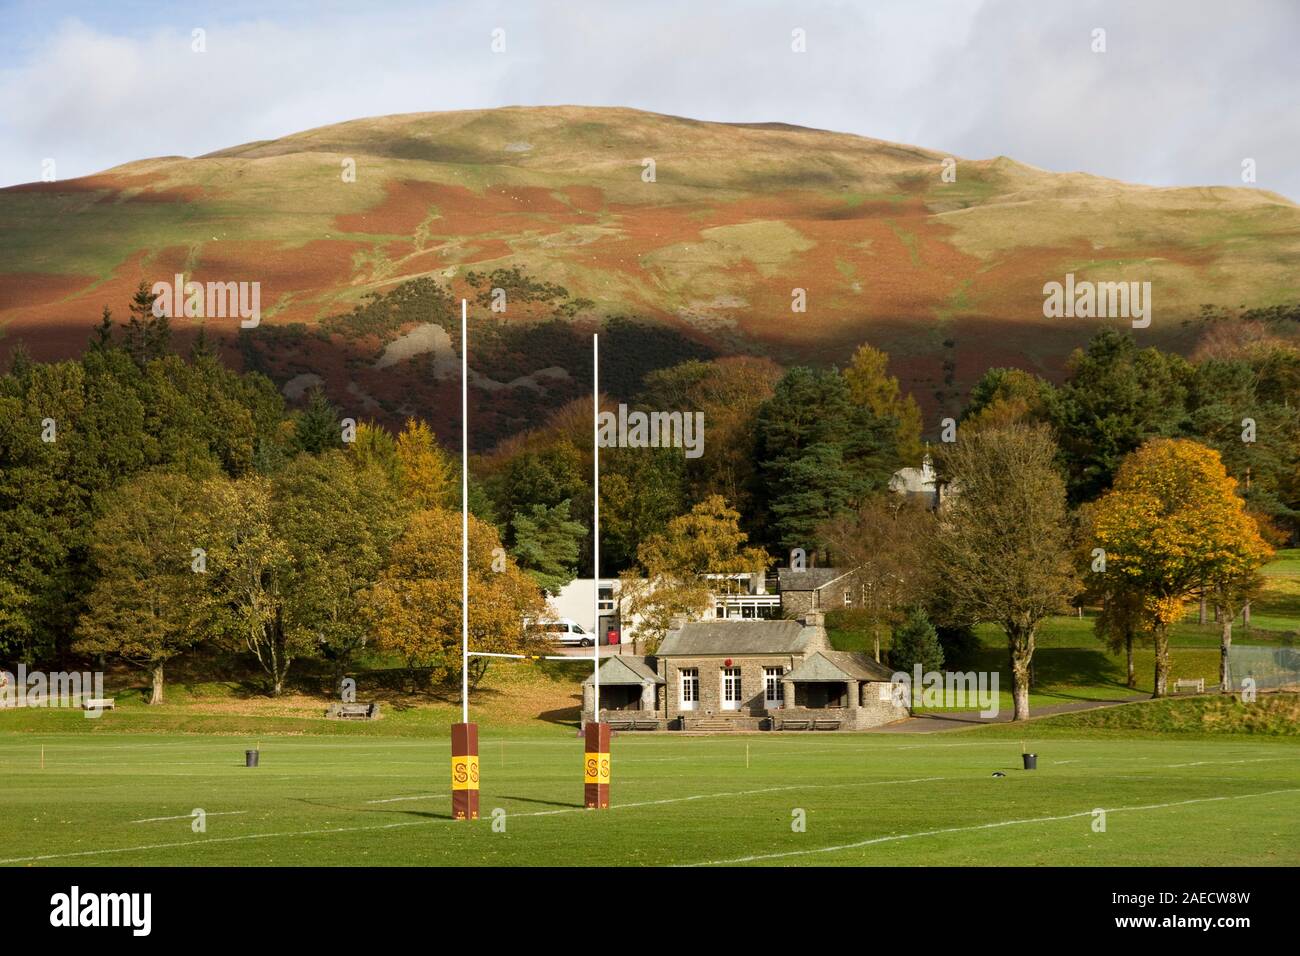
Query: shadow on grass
545, 803
423, 814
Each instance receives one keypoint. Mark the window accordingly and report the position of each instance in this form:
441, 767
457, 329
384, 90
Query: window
848, 599
720, 610
731, 688
773, 689
690, 688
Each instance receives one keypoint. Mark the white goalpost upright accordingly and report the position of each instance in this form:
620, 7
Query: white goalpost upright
464, 736
595, 523
464, 511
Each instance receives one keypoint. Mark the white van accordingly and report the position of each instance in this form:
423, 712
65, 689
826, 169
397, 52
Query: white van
567, 632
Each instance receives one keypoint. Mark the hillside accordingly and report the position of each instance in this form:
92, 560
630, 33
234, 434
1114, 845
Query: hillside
946, 277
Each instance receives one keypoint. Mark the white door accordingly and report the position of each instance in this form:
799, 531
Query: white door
690, 689
773, 690
731, 688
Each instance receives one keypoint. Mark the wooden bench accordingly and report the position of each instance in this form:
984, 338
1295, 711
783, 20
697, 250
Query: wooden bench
826, 725
645, 725
97, 703
795, 725
1196, 686
620, 724
341, 711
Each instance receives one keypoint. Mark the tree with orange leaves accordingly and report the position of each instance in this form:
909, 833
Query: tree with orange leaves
1171, 523
414, 607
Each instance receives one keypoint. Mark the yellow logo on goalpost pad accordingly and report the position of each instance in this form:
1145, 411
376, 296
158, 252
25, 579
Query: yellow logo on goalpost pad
597, 768
464, 772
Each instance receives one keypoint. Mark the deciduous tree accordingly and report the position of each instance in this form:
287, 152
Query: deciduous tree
149, 597
1171, 523
1004, 541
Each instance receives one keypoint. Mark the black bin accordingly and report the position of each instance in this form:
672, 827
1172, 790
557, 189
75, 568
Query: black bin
1031, 761
250, 758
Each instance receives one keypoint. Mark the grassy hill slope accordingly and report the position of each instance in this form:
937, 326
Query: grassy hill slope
947, 277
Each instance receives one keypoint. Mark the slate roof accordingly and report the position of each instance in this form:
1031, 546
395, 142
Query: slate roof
623, 670
810, 579
839, 666
737, 638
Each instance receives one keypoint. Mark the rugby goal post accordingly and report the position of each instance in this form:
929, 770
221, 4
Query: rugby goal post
464, 736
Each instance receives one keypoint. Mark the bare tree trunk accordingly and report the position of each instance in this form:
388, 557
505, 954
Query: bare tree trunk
1128, 648
1245, 615
1225, 645
156, 697
1201, 616
875, 633
1161, 636
1022, 656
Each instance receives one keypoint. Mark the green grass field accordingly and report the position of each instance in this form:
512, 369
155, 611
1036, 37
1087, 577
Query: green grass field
1192, 781
111, 799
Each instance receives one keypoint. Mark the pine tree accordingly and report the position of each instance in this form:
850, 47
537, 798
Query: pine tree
202, 348
915, 641
103, 335
147, 335
318, 425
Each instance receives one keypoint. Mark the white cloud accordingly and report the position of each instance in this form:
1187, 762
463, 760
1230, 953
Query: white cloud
1185, 91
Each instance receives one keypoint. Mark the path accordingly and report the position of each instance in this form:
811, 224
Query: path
965, 719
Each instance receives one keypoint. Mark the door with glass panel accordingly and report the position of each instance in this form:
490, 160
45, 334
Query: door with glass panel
689, 689
773, 690
731, 688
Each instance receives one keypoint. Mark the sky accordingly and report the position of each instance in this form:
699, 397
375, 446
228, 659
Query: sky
1184, 92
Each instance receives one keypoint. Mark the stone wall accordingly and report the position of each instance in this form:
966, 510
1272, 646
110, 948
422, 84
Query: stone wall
652, 698
795, 604
865, 708
710, 669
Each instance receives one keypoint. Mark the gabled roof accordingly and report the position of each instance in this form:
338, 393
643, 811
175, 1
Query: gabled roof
809, 579
737, 638
839, 666
626, 671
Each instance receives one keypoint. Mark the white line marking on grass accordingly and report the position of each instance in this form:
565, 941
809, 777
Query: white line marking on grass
422, 796
979, 826
188, 816
1200, 763
418, 823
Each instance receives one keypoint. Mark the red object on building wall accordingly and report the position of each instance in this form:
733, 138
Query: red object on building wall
727, 662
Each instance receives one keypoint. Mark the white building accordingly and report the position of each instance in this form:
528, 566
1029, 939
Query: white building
577, 602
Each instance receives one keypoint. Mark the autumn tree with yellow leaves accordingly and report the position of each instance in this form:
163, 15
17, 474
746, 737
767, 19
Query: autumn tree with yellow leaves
415, 606
1171, 524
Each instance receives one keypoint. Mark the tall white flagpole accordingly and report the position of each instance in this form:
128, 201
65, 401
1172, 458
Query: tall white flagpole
464, 512
595, 524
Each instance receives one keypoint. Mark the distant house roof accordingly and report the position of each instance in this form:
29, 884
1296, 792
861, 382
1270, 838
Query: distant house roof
839, 666
809, 579
737, 638
627, 670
